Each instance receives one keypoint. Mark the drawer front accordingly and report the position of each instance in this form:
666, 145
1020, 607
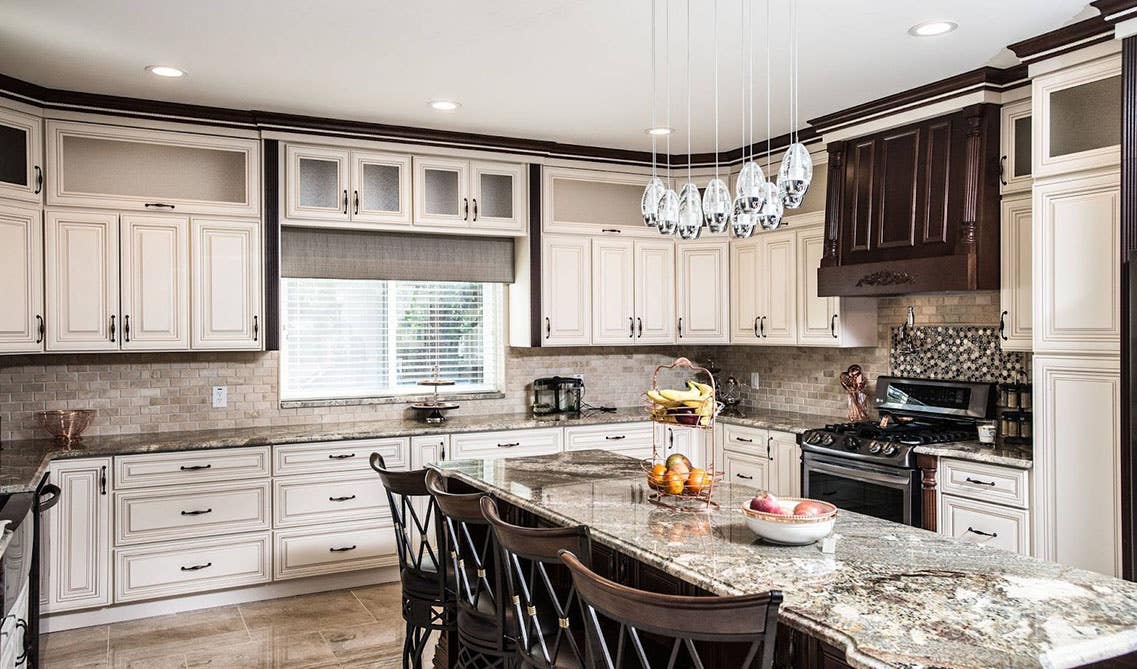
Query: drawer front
987, 524
228, 464
741, 439
333, 548
618, 437
541, 441
304, 500
163, 514
184, 567
748, 471
989, 483
349, 456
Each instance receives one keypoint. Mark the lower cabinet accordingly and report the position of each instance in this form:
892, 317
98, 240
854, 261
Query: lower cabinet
75, 563
507, 443
985, 504
764, 459
312, 551
185, 567
631, 439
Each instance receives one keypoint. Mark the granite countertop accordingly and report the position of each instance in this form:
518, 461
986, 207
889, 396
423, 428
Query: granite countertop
891, 596
1008, 455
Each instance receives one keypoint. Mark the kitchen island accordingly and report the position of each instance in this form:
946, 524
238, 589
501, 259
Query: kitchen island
891, 596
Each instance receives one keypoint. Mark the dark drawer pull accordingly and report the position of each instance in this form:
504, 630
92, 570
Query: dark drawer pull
509, 445
159, 205
982, 533
342, 549
194, 468
978, 482
744, 476
743, 440
199, 512
341, 499
615, 437
341, 456
198, 567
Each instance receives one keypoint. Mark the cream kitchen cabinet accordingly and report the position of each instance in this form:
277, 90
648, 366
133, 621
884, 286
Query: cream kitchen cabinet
633, 291
631, 439
507, 443
21, 274
345, 185
785, 455
748, 470
1062, 101
593, 202
770, 458
484, 196
21, 156
1015, 292
426, 449
745, 296
702, 292
226, 292
1076, 270
695, 444
75, 552
655, 291
566, 290
82, 281
777, 288
828, 321
1015, 147
985, 504
154, 267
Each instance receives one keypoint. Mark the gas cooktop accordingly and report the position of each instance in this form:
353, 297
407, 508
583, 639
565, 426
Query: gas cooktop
889, 443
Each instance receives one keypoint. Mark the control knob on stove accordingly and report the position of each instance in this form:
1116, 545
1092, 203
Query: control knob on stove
874, 447
850, 444
814, 437
889, 450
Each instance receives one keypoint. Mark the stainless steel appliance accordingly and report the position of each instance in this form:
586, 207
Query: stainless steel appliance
869, 466
557, 394
19, 572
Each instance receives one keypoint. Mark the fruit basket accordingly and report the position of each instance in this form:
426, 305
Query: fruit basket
683, 481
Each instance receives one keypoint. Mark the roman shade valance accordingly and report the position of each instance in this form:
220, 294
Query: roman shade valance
318, 253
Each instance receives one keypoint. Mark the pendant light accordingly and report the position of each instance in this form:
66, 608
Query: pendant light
716, 198
668, 208
749, 189
649, 203
690, 203
770, 213
796, 172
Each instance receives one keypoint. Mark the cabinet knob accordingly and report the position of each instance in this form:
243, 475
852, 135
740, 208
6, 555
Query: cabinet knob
680, 326
1002, 170
356, 203
548, 328
256, 328
640, 326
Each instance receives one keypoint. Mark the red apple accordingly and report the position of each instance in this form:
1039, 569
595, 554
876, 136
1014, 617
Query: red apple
810, 508
767, 503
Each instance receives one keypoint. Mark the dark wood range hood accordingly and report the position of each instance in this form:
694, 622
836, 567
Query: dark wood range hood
914, 209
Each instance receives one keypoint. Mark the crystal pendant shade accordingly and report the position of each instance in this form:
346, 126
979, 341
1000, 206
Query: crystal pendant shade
690, 212
667, 218
717, 205
769, 216
750, 190
795, 175
742, 222
649, 203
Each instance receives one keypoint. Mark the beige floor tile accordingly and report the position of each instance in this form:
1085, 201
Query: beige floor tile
306, 613
174, 635
383, 601
83, 648
269, 649
127, 661
373, 641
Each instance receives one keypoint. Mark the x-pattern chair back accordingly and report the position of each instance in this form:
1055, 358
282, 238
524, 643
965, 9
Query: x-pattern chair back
413, 510
470, 545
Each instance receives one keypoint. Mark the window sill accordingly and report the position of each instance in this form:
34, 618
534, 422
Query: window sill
389, 399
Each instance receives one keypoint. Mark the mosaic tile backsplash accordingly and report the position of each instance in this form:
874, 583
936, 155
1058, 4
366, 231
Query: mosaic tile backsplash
966, 353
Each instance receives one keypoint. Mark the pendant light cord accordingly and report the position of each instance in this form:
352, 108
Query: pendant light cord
751, 49
688, 91
768, 83
667, 49
715, 43
654, 172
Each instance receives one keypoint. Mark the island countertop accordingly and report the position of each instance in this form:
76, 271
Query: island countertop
891, 596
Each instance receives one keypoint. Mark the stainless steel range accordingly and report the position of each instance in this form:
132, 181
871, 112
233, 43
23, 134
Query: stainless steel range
869, 467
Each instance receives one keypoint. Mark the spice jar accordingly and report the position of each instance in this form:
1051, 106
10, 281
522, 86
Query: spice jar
1026, 426
1026, 398
1012, 396
1010, 425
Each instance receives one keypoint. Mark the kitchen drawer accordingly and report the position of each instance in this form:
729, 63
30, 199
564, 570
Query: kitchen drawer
981, 481
184, 567
540, 441
987, 524
617, 437
328, 549
304, 500
747, 470
162, 514
347, 456
747, 440
223, 464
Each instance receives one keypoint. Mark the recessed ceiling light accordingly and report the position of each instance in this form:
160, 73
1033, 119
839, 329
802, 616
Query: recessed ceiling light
164, 71
932, 28
659, 131
444, 105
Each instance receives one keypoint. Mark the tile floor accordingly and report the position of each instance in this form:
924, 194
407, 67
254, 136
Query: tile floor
362, 627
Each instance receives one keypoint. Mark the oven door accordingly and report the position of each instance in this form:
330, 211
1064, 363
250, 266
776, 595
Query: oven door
882, 492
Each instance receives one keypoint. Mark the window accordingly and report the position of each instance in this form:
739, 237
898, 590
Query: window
360, 338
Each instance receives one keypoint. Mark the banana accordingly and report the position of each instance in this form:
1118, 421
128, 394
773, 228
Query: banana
658, 398
681, 395
704, 389
694, 404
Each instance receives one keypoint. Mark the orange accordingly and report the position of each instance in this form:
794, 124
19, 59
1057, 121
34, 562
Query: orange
673, 483
698, 480
655, 478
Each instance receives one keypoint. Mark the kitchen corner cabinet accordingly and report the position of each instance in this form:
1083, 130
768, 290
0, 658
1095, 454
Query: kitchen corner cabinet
226, 292
1077, 123
702, 292
21, 274
1015, 144
334, 184
483, 196
75, 552
633, 291
1016, 312
566, 290
21, 156
154, 270
82, 281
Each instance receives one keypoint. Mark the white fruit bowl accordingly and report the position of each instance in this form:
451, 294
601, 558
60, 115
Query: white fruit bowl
789, 529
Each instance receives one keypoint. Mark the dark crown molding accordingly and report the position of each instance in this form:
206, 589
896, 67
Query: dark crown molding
1063, 40
1116, 10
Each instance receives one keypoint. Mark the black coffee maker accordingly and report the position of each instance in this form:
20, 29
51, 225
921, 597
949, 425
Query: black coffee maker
557, 394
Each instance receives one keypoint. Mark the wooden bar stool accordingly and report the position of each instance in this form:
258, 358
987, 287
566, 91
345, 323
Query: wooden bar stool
748, 623
484, 641
418, 537
543, 603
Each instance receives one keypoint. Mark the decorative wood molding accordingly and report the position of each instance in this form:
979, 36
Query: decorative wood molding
834, 203
1063, 40
928, 465
886, 278
1116, 10
1128, 299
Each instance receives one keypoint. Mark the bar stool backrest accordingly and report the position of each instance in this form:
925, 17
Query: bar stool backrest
470, 544
414, 515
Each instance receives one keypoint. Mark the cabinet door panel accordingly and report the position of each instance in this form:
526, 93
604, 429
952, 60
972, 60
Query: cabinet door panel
498, 197
778, 289
155, 282
704, 317
1016, 312
566, 291
1015, 149
76, 550
745, 302
441, 192
227, 284
21, 156
817, 316
82, 281
613, 291
655, 292
985, 524
748, 471
317, 183
895, 220
787, 464
21, 274
381, 188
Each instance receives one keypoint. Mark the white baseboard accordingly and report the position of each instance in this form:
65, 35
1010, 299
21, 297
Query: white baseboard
300, 586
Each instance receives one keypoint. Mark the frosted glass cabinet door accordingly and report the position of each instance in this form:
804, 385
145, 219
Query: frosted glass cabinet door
1063, 102
226, 294
441, 191
381, 188
82, 280
498, 201
154, 274
317, 183
21, 275
21, 156
1015, 147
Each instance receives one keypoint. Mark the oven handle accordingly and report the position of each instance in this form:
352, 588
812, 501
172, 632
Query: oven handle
862, 475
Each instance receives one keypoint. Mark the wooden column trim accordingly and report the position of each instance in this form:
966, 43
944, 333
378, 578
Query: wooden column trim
928, 465
833, 202
1128, 336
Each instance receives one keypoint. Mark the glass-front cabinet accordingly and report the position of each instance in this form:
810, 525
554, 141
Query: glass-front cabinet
1077, 119
442, 193
334, 184
498, 191
21, 156
1015, 151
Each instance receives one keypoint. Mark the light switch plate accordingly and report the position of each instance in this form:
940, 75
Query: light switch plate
754, 380
220, 397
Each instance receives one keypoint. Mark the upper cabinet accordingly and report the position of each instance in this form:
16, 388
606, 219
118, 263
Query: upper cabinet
226, 293
133, 169
566, 291
828, 321
593, 202
329, 184
1077, 118
633, 291
21, 156
81, 251
442, 192
154, 266
21, 275
702, 292
1015, 162
498, 196
1015, 292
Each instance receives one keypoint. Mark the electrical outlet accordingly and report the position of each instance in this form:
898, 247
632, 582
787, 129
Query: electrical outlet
754, 380
220, 397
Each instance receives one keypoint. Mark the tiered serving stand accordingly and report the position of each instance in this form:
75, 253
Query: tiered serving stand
434, 407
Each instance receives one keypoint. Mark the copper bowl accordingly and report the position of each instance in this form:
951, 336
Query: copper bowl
65, 424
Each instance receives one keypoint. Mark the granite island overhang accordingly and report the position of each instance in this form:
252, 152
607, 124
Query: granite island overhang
891, 595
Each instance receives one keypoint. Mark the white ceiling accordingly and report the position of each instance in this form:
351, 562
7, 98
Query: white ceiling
575, 71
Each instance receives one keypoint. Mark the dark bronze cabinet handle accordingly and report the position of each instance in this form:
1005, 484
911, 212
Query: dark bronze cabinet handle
1002, 170
745, 477
197, 512
39, 180
475, 209
357, 203
112, 328
510, 444
670, 438
762, 327
466, 209
341, 456
978, 482
982, 533
194, 468
833, 326
126, 328
631, 328
615, 437
744, 440
1003, 326
548, 328
341, 499
23, 656
345, 201
756, 326
198, 567
342, 549
256, 328
103, 480
640, 326
159, 205
39, 329
612, 230
680, 326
